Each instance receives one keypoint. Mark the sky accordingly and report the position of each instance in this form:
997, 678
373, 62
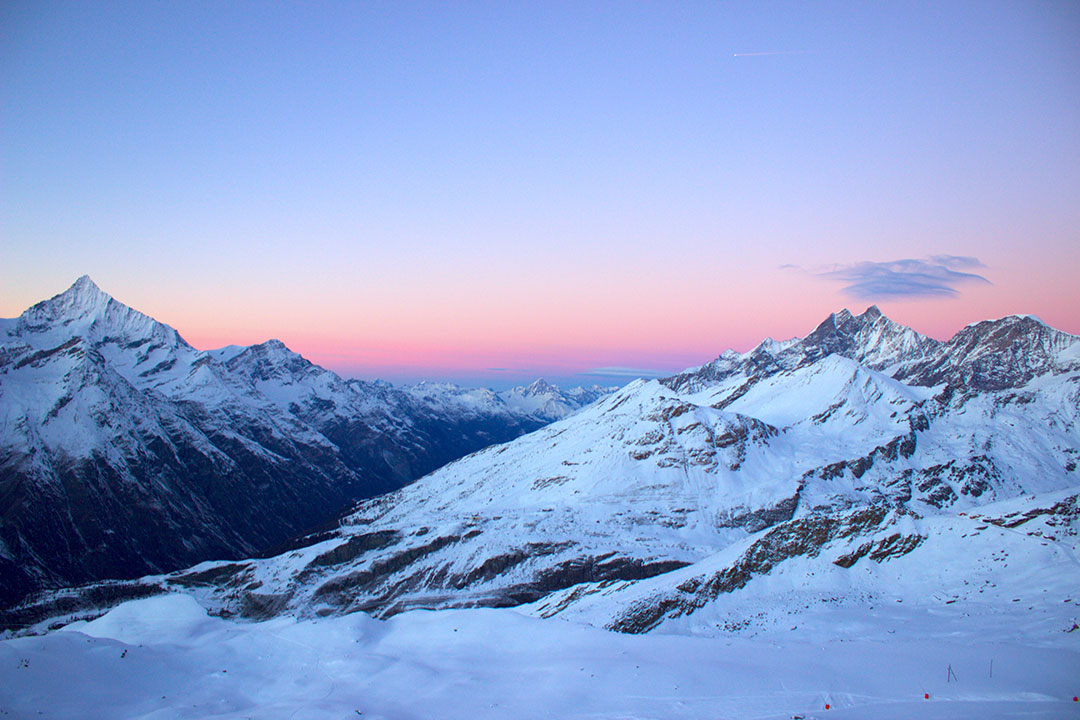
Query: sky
585, 191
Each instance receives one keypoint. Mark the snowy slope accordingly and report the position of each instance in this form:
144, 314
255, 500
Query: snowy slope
164, 657
125, 451
709, 479
843, 576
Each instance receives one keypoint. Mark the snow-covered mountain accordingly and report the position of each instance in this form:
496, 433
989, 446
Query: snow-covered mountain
546, 401
540, 400
126, 451
845, 463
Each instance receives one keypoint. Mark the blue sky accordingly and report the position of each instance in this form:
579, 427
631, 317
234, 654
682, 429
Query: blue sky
432, 189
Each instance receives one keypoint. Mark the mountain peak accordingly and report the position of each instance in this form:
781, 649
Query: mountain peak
82, 299
1021, 317
272, 350
539, 386
1017, 323
85, 310
846, 323
831, 327
997, 354
271, 359
85, 293
84, 283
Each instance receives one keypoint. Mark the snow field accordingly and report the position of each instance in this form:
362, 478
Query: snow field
165, 658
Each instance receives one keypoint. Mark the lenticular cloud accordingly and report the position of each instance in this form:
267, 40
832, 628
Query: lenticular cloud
934, 276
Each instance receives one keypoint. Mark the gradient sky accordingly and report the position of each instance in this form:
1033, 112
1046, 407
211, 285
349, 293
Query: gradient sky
489, 192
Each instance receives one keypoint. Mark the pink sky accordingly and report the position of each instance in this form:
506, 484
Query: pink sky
662, 320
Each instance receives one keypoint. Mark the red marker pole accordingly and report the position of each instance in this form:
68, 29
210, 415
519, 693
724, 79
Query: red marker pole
826, 706
926, 696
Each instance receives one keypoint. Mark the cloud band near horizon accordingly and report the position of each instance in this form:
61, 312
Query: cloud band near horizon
626, 372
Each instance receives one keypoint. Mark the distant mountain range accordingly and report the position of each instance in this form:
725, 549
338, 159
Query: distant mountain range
863, 460
125, 451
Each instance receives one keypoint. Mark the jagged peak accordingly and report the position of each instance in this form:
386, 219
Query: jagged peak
1009, 320
83, 301
82, 298
84, 285
768, 345
1027, 329
272, 349
272, 359
540, 386
845, 322
85, 310
830, 326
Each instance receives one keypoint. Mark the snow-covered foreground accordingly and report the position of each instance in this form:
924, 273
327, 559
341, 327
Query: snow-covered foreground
164, 657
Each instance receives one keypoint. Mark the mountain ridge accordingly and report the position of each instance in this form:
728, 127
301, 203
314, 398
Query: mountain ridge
832, 454
878, 342
124, 450
853, 447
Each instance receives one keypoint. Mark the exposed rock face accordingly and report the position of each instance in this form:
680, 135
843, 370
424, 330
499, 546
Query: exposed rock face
124, 451
806, 536
996, 355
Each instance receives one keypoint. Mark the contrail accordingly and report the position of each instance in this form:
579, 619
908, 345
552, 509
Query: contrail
775, 52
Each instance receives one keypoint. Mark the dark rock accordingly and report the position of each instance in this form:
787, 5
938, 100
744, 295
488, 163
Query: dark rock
804, 536
88, 602
355, 546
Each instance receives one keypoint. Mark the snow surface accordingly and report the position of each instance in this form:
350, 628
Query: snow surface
164, 657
